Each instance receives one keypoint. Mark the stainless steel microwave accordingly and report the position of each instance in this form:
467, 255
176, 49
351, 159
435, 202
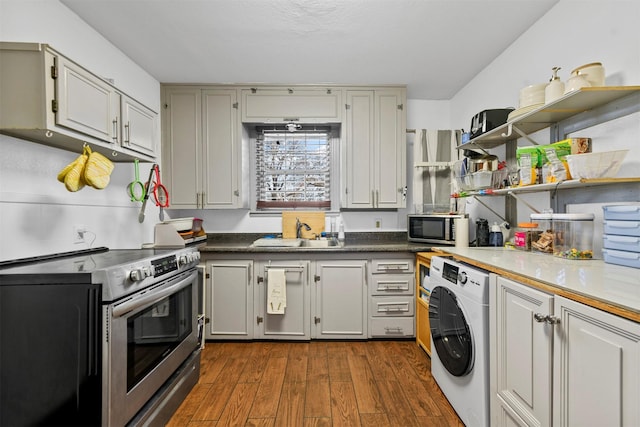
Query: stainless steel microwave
432, 228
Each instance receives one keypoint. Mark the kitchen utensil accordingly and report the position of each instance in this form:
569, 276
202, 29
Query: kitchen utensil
146, 197
160, 193
136, 188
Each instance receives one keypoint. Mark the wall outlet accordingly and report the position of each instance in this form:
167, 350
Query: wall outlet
378, 222
78, 233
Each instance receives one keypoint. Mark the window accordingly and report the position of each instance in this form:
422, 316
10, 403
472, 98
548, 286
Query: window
293, 169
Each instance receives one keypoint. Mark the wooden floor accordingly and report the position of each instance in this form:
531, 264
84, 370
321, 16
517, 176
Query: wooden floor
317, 383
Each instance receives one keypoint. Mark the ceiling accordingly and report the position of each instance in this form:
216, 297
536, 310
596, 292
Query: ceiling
433, 46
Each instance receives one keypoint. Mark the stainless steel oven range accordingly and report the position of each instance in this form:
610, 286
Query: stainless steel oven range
98, 337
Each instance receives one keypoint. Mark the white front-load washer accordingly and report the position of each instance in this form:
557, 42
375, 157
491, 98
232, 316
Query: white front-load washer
459, 321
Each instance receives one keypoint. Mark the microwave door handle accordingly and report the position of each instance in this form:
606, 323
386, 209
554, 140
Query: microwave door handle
154, 297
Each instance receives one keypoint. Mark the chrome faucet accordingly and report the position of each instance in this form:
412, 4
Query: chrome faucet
299, 225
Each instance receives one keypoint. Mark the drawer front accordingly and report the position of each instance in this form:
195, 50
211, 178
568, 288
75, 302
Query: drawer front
392, 327
391, 306
392, 265
393, 284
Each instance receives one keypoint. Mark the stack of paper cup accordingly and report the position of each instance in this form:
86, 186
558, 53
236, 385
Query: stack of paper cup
462, 232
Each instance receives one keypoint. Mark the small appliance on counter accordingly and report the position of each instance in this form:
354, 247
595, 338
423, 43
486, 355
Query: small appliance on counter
487, 120
432, 228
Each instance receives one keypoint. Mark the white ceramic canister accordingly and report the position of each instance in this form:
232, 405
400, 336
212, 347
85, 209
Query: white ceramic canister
593, 72
555, 88
576, 82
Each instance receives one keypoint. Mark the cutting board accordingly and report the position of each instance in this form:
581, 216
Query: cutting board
315, 220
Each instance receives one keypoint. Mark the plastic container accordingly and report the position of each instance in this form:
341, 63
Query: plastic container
544, 241
526, 233
622, 212
573, 236
622, 228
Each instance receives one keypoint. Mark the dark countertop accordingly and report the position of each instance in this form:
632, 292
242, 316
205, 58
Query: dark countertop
354, 242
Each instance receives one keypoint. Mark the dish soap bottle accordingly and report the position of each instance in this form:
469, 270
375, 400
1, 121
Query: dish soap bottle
495, 235
555, 88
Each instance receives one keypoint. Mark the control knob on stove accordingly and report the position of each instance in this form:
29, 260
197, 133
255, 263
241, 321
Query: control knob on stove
183, 260
141, 273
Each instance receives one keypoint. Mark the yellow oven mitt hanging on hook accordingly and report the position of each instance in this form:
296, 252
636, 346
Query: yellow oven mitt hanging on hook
73, 174
97, 171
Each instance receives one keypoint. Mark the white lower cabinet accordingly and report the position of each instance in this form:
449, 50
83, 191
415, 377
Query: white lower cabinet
391, 299
596, 367
339, 307
557, 362
229, 294
522, 354
294, 323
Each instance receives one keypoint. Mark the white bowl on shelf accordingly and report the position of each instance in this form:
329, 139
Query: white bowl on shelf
605, 164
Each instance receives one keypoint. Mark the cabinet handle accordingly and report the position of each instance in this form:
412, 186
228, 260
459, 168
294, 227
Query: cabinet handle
549, 319
377, 199
115, 130
395, 329
127, 133
540, 318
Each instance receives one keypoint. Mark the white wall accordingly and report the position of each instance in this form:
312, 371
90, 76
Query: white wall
37, 214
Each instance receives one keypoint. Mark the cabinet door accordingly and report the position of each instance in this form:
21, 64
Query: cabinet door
313, 105
389, 149
596, 367
229, 305
359, 159
340, 300
85, 103
522, 355
181, 159
222, 168
139, 127
294, 324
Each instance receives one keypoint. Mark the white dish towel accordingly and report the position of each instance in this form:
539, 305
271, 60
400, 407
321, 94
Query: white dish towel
276, 291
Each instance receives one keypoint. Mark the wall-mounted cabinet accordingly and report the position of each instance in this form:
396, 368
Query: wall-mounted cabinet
202, 163
374, 165
293, 104
49, 99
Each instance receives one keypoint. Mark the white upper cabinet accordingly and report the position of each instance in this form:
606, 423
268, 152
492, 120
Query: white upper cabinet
201, 148
374, 164
139, 127
64, 105
295, 104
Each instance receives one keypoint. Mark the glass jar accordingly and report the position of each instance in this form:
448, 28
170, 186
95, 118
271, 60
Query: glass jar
573, 236
526, 233
544, 241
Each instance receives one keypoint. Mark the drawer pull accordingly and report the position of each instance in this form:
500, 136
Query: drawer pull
393, 309
393, 330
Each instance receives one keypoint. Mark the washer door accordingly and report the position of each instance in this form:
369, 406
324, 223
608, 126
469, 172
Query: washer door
450, 332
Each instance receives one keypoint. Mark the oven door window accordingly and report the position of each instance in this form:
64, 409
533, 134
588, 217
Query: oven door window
153, 333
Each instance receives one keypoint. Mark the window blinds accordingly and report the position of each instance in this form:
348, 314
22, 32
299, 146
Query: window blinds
293, 169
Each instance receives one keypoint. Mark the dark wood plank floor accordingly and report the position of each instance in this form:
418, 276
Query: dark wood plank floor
317, 383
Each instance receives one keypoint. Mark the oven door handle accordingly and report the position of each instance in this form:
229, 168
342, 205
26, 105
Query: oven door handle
152, 297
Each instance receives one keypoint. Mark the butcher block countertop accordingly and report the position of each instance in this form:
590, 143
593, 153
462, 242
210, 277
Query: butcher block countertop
608, 287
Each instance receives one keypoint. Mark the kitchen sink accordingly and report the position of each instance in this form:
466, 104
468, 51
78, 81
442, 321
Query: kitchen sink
296, 243
326, 243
